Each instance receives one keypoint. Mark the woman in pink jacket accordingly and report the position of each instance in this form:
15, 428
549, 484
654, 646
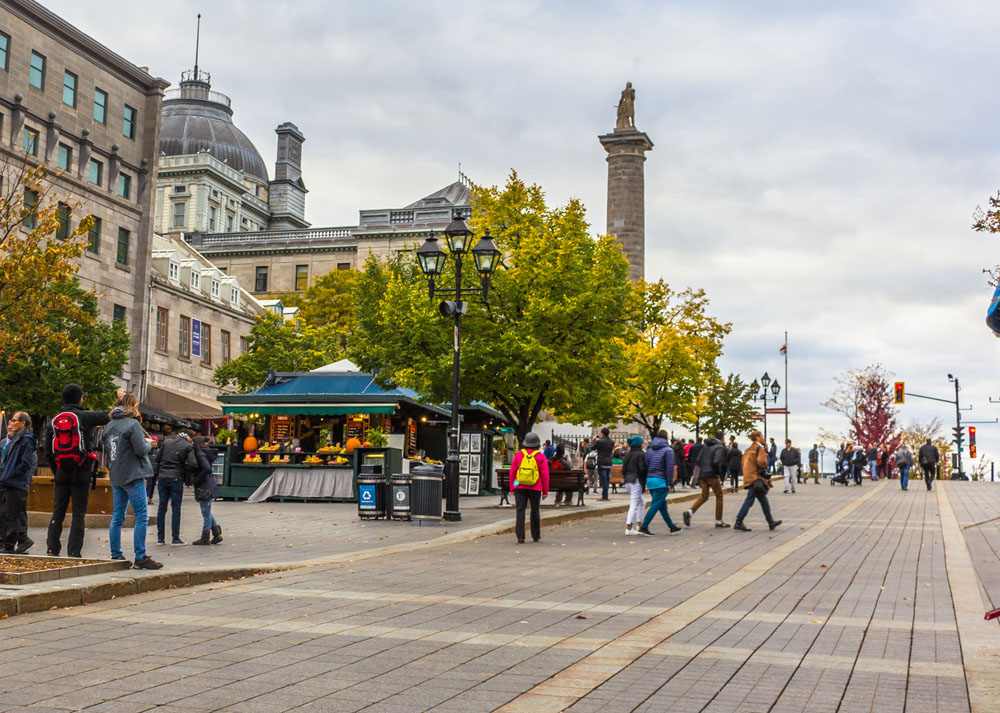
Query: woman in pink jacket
530, 485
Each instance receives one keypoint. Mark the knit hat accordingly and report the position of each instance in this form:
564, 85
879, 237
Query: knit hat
531, 440
635, 440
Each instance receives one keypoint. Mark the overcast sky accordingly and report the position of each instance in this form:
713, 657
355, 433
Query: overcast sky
815, 169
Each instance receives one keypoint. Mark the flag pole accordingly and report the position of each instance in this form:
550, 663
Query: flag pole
786, 385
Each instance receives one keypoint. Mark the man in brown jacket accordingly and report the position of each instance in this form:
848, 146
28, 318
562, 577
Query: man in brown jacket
756, 481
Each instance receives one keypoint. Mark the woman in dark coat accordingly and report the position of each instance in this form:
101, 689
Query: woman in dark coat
683, 476
205, 491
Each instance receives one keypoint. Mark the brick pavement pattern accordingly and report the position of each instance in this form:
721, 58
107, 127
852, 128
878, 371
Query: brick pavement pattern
847, 607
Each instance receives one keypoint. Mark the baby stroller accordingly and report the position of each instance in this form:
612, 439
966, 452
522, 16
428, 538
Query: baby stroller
843, 474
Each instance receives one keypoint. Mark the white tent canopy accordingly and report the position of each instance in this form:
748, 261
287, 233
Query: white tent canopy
341, 366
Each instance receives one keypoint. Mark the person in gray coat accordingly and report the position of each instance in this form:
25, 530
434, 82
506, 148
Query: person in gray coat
928, 456
127, 448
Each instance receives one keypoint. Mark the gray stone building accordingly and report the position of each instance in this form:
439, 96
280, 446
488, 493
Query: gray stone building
199, 317
92, 119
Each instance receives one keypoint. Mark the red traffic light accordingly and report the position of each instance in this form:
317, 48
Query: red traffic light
900, 392
972, 436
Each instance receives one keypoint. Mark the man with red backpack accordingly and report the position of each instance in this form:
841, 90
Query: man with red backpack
68, 452
529, 479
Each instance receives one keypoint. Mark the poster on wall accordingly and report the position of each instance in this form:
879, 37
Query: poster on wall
463, 442
463, 463
474, 463
196, 338
475, 443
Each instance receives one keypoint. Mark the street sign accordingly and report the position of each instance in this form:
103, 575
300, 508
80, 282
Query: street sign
780, 410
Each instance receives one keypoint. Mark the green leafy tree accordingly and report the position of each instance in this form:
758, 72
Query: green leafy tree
330, 300
282, 346
33, 384
550, 336
671, 363
730, 408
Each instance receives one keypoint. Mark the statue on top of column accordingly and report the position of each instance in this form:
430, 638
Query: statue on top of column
626, 109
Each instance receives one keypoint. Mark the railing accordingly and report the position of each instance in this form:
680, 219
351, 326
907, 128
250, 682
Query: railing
257, 236
197, 92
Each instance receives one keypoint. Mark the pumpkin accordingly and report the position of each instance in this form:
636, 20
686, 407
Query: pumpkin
366, 444
351, 444
249, 444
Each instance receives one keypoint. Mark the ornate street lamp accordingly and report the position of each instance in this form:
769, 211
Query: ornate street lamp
775, 389
432, 259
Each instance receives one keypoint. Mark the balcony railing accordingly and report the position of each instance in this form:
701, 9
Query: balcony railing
261, 236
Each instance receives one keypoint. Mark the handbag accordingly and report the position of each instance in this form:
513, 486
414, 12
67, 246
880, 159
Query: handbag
202, 494
760, 486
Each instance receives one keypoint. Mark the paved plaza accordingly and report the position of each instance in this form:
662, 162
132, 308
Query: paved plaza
866, 599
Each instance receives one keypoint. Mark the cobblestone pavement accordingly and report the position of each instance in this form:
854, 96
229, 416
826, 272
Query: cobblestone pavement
849, 606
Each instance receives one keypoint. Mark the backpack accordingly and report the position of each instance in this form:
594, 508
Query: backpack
527, 472
68, 446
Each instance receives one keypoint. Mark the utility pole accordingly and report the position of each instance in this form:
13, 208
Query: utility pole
786, 385
958, 425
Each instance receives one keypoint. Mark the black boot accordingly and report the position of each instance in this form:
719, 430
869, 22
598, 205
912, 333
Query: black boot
203, 540
738, 525
216, 534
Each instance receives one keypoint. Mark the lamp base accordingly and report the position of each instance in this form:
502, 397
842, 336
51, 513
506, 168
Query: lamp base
452, 516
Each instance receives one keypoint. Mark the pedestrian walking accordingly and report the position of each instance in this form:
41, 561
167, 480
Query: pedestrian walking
814, 464
67, 449
904, 461
605, 449
756, 481
127, 448
659, 478
712, 467
18, 463
205, 491
634, 477
559, 461
175, 463
872, 457
694, 462
772, 457
682, 475
734, 459
529, 475
928, 456
791, 459
859, 465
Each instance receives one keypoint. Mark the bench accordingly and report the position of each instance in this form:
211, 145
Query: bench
574, 480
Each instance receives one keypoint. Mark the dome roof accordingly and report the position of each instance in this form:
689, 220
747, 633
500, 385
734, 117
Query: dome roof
196, 119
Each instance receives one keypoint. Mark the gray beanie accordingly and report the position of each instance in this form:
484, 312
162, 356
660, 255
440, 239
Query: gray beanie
531, 440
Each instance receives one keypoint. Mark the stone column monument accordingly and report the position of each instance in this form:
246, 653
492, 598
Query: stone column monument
627, 147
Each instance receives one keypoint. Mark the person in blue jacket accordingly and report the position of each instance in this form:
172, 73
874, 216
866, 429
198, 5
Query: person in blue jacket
19, 459
659, 478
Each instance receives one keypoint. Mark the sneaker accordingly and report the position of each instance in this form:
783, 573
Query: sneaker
536, 539
160, 543
520, 542
687, 518
118, 557
741, 527
645, 532
675, 530
147, 562
177, 542
629, 531
52, 553
722, 524
773, 524
24, 546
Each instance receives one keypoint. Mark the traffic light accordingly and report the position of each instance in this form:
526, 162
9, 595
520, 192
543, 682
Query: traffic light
972, 441
959, 437
972, 450
900, 392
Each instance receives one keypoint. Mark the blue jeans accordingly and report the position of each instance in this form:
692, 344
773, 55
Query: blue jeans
171, 490
207, 518
904, 476
752, 495
873, 467
658, 505
135, 493
604, 474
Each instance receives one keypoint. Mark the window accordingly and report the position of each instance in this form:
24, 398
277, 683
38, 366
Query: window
29, 208
123, 241
119, 315
4, 50
162, 323
95, 172
211, 217
343, 266
301, 277
195, 280
226, 353
30, 141
229, 223
36, 75
100, 106
184, 348
179, 219
173, 271
64, 157
243, 345
179, 189
124, 185
94, 236
63, 215
234, 295
206, 343
69, 89
128, 122
260, 279
215, 288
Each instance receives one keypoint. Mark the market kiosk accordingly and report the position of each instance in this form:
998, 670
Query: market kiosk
297, 428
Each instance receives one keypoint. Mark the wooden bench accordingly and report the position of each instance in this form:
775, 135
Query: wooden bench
574, 480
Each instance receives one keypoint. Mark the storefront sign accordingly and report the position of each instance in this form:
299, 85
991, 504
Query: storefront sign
366, 497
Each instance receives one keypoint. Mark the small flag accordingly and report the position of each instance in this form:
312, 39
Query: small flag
784, 349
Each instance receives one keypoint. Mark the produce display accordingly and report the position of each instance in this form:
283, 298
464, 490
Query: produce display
252, 458
331, 449
313, 460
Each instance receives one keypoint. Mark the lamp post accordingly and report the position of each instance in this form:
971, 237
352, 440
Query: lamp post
775, 389
432, 260
822, 452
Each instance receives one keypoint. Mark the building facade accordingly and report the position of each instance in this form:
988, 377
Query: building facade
92, 119
199, 317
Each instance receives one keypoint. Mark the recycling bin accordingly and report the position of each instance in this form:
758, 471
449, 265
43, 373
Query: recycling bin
426, 484
399, 497
371, 496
